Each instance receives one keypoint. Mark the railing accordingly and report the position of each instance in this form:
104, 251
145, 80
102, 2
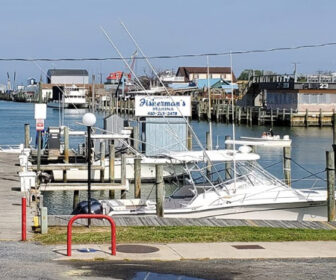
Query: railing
92, 216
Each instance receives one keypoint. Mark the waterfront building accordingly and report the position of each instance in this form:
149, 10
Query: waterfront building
67, 76
282, 92
196, 73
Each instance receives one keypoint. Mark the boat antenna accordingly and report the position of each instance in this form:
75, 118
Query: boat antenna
233, 126
209, 104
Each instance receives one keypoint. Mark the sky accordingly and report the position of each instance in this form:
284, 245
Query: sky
70, 29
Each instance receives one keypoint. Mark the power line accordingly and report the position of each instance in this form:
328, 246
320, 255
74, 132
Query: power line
174, 56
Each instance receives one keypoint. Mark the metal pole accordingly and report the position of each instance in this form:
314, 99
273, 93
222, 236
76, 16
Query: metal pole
111, 168
93, 93
123, 175
39, 140
334, 135
23, 219
159, 190
331, 185
102, 161
89, 171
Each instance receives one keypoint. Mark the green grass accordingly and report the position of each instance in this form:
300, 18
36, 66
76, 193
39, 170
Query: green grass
171, 234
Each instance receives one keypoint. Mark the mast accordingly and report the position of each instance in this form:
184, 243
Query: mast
209, 104
233, 126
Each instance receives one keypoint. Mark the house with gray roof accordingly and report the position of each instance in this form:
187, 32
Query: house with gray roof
67, 76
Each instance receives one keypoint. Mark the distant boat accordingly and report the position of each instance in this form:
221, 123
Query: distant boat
70, 97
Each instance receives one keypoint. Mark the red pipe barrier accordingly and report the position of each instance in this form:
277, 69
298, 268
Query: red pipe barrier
23, 219
92, 216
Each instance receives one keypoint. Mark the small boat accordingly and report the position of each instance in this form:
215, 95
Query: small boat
266, 140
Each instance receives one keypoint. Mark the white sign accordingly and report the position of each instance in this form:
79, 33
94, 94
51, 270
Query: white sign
40, 111
39, 124
158, 106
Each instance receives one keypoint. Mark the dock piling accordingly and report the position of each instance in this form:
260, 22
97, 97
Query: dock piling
159, 190
331, 185
66, 151
227, 163
287, 165
27, 135
137, 177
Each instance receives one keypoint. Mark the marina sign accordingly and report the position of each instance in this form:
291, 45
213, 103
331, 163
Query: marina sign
158, 106
39, 124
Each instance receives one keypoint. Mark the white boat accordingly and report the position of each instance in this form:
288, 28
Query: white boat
70, 97
265, 140
14, 149
172, 168
252, 194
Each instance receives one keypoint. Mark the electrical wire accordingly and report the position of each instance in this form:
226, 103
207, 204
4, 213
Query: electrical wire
225, 53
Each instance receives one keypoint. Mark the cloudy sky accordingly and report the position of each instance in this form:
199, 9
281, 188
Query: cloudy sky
70, 29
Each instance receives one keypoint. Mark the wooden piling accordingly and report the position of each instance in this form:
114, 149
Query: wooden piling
251, 115
137, 177
75, 199
239, 116
306, 118
331, 185
111, 168
271, 116
136, 138
247, 115
283, 114
321, 118
159, 190
102, 161
291, 117
227, 163
123, 175
189, 143
27, 135
259, 116
227, 113
66, 151
287, 165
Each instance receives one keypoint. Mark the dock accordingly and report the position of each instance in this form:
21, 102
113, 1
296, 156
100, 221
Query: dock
10, 199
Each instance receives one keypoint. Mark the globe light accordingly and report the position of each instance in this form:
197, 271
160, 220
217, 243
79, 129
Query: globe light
89, 119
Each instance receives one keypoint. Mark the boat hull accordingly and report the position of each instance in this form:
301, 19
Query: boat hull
296, 211
147, 173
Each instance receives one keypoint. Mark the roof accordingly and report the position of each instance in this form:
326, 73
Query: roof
67, 72
185, 71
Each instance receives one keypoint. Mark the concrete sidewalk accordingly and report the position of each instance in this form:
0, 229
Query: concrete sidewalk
222, 250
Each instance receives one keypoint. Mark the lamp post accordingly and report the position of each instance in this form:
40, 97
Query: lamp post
89, 120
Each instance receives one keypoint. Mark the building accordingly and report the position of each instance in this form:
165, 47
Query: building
67, 76
282, 92
195, 73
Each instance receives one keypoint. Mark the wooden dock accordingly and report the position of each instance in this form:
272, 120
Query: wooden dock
10, 199
153, 221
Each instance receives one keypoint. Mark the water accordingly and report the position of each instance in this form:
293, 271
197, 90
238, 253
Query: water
308, 146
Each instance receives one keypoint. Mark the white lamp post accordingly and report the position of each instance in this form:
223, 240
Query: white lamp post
89, 120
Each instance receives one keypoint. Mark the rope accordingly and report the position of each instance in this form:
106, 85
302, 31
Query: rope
306, 169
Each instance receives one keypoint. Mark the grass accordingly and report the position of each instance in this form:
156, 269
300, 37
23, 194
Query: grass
174, 234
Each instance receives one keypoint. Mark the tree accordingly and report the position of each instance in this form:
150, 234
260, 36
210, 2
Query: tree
247, 73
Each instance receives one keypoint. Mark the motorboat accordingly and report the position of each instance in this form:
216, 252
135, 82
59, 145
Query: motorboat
172, 169
70, 97
266, 140
250, 193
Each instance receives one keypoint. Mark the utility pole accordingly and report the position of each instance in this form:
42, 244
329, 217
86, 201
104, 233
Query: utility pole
39, 138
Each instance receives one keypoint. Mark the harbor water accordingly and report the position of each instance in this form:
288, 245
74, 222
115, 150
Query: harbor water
308, 147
